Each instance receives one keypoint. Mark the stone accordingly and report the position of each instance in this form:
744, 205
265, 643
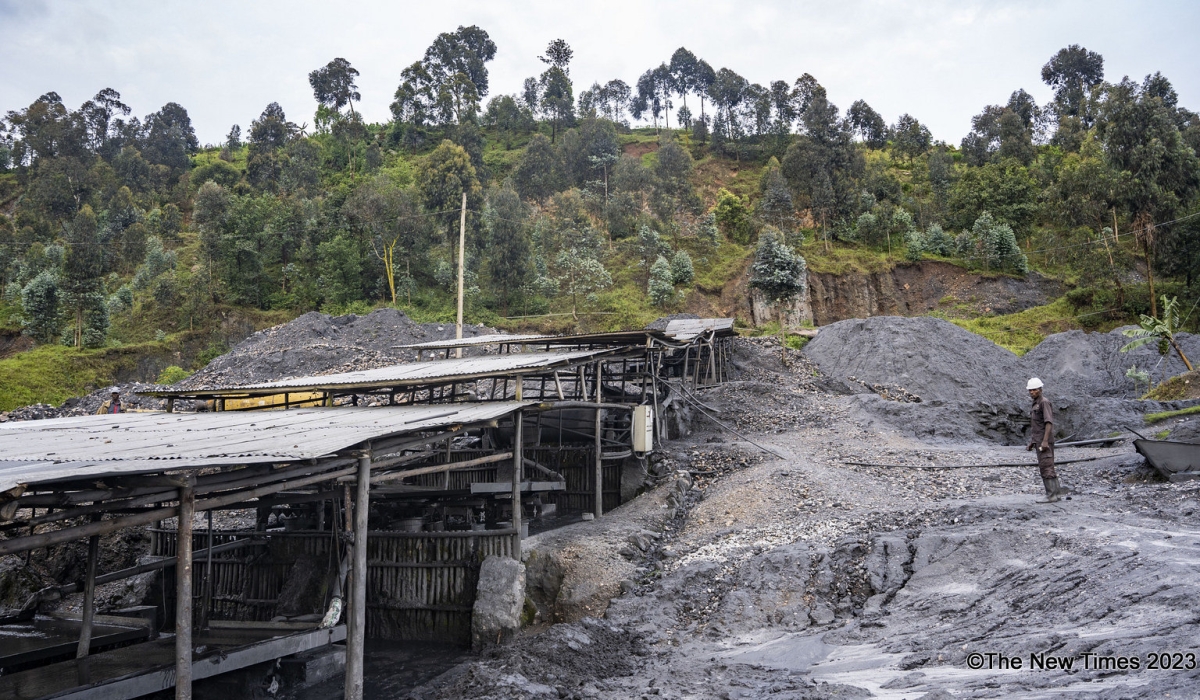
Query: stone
499, 601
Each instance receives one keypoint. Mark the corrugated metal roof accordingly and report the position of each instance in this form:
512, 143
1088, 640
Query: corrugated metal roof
688, 328
401, 375
96, 446
492, 339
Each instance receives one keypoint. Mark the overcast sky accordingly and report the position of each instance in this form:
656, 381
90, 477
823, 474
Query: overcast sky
224, 61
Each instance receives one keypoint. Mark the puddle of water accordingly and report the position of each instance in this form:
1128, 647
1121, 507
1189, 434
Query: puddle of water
390, 669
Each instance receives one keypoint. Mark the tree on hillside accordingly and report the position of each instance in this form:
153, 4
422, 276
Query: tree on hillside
509, 249
333, 85
556, 98
268, 134
581, 275
778, 273
539, 172
445, 86
727, 91
775, 206
910, 138
823, 164
1072, 73
659, 285
446, 174
868, 124
81, 283
991, 243
40, 306
1153, 183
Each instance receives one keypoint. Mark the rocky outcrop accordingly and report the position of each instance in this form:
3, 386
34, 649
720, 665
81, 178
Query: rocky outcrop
499, 600
907, 289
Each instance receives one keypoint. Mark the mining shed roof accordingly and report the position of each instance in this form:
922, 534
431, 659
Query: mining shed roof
679, 330
414, 373
133, 443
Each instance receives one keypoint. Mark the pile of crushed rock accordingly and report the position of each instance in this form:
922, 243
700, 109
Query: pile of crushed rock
317, 343
931, 378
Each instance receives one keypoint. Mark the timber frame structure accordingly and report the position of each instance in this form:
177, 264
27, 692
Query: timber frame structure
471, 437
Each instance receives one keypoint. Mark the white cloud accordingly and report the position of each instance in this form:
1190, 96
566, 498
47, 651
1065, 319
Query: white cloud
941, 61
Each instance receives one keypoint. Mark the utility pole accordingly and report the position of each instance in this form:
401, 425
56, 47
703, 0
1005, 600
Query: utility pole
462, 239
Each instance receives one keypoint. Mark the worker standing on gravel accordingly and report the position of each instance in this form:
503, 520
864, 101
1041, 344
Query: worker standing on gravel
1041, 438
113, 405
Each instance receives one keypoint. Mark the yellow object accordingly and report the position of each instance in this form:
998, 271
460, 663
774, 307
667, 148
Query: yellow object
296, 399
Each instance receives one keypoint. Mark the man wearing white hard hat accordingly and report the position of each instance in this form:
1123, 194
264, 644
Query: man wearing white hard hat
1041, 438
113, 405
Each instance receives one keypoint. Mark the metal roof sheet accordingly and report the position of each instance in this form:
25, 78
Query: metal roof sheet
688, 328
491, 339
96, 446
402, 374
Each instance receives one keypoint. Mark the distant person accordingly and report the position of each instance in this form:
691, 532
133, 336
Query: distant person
1041, 438
113, 405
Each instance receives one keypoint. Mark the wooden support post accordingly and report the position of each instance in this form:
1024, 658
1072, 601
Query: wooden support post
89, 598
519, 382
599, 505
558, 386
518, 458
358, 589
170, 404
208, 582
458, 326
183, 593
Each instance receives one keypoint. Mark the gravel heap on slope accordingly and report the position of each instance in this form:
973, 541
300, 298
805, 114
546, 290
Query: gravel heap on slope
1093, 364
970, 387
316, 343
931, 358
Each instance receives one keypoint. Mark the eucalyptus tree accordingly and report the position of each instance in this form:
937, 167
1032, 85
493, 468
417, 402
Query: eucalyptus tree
333, 85
868, 124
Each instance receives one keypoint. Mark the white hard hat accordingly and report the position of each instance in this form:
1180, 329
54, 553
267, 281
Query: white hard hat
1034, 383
114, 390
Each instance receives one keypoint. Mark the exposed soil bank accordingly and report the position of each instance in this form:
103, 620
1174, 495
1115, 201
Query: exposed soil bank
906, 289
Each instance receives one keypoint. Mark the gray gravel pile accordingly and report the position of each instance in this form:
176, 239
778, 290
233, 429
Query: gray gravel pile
932, 379
316, 343
1092, 364
931, 358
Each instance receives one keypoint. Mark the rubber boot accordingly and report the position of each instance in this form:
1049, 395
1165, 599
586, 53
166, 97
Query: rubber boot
1051, 491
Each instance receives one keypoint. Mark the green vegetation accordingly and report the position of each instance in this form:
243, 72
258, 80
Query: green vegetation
1184, 386
1022, 331
118, 234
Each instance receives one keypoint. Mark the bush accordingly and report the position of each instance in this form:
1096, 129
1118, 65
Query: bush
733, 216
682, 271
661, 288
173, 374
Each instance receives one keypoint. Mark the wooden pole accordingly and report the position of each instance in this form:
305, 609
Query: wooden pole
518, 458
358, 590
599, 505
89, 598
183, 594
462, 239
208, 582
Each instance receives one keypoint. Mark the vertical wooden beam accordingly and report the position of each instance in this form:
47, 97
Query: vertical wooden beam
518, 456
358, 588
208, 582
599, 505
183, 593
170, 404
462, 241
519, 383
89, 598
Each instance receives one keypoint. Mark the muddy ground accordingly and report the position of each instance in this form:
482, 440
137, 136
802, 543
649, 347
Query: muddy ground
784, 572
